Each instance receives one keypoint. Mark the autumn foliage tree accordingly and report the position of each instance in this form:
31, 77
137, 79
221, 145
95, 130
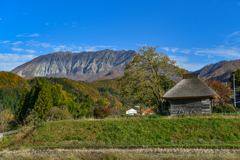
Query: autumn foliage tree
222, 90
101, 112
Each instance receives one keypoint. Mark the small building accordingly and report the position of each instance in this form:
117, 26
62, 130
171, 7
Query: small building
131, 111
148, 111
190, 96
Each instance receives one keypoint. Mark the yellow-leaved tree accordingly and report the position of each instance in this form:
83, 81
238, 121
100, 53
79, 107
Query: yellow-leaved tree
147, 77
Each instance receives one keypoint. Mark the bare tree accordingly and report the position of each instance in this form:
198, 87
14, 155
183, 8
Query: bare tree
3, 118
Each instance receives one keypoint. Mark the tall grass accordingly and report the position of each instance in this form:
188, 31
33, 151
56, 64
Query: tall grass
173, 132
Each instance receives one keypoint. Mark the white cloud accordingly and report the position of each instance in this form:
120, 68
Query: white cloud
90, 48
5, 57
30, 51
166, 48
17, 49
45, 45
15, 43
0, 19
178, 59
36, 43
46, 24
142, 45
20, 35
80, 48
209, 56
174, 49
233, 34
10, 61
65, 24
34, 35
170, 49
59, 48
21, 50
185, 51
94, 48
229, 52
192, 66
198, 54
183, 63
4, 41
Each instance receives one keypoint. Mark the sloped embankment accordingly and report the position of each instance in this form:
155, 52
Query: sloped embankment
162, 132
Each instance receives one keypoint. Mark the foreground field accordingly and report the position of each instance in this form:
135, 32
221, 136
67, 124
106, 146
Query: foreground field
137, 154
219, 132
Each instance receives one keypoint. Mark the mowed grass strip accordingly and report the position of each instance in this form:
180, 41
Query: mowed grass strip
129, 132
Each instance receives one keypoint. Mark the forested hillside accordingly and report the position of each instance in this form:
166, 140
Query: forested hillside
11, 80
12, 86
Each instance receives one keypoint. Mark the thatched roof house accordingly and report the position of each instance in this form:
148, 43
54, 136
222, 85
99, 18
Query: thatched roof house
190, 96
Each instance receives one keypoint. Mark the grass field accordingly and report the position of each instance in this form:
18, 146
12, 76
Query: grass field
195, 131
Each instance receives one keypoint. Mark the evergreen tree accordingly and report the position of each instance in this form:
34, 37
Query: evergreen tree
87, 103
56, 95
44, 101
22, 107
72, 108
88, 99
34, 94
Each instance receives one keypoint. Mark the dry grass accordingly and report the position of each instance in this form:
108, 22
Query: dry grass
136, 154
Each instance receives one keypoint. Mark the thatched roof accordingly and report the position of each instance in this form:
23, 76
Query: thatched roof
189, 88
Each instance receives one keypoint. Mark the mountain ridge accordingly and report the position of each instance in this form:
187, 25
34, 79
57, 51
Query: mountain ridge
105, 64
84, 66
219, 71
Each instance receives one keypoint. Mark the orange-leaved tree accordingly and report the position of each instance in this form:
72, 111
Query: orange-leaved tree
224, 91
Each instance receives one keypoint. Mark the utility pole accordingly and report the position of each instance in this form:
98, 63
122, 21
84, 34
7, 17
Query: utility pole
234, 90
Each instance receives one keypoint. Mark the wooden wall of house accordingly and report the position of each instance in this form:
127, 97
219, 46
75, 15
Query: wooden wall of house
190, 106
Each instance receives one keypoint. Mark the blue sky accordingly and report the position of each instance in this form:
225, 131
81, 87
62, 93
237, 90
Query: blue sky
192, 32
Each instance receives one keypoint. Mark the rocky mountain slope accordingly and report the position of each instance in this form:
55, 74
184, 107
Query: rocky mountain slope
219, 71
105, 64
84, 66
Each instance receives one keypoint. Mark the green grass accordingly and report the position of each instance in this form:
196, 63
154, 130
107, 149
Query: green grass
162, 132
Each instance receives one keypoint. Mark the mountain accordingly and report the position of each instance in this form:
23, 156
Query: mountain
219, 71
105, 64
83, 66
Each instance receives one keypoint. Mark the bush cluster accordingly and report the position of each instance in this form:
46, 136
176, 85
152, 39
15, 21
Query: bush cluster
227, 108
101, 112
55, 114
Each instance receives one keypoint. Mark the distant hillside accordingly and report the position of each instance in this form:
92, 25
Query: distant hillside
12, 85
10, 80
97, 89
219, 71
84, 66
11, 88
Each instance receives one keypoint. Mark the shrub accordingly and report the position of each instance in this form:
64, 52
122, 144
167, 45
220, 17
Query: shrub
101, 112
55, 114
224, 109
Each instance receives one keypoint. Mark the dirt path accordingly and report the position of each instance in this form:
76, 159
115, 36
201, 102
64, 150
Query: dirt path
138, 154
